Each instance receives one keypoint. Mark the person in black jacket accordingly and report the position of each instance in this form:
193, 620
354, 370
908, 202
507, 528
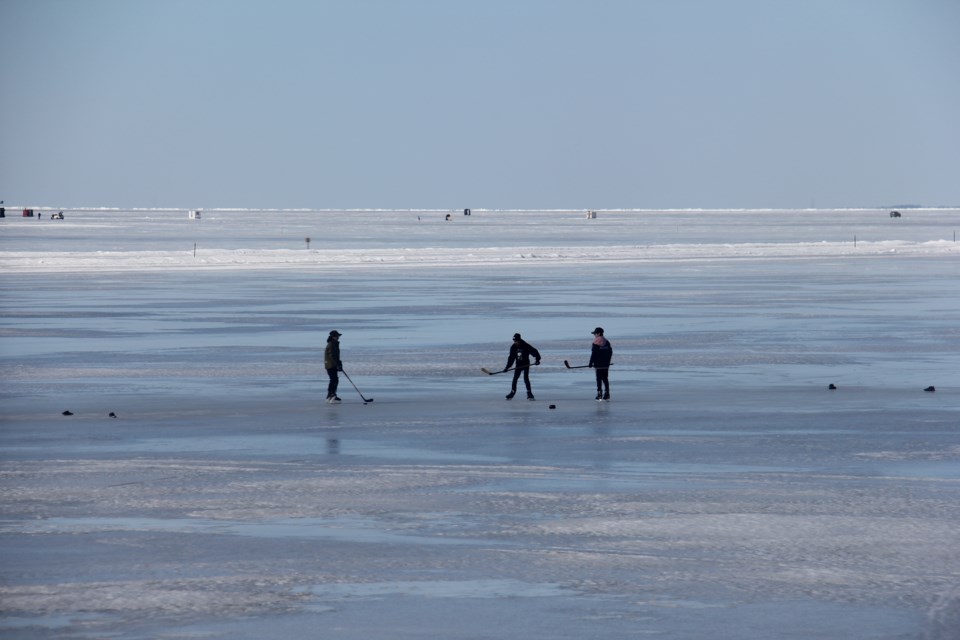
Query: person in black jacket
521, 352
332, 363
601, 352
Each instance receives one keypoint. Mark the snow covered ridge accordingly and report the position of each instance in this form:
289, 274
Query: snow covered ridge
259, 239
44, 261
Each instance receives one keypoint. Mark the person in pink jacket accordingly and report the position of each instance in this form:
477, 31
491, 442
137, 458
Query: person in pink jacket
601, 353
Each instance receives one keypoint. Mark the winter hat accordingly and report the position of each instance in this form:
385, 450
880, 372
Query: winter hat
516, 336
335, 333
598, 331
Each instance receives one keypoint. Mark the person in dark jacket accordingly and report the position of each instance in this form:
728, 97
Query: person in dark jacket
332, 363
601, 352
520, 353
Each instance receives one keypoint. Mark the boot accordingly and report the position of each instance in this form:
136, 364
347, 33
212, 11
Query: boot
511, 394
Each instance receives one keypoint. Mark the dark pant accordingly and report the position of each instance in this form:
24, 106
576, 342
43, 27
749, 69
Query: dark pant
603, 380
526, 378
334, 382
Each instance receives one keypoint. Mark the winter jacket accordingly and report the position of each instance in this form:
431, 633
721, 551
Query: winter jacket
331, 356
520, 353
601, 353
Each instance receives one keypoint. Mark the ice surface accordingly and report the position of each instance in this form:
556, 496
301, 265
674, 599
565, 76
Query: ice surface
723, 492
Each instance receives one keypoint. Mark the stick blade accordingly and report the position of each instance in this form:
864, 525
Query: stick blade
486, 371
567, 363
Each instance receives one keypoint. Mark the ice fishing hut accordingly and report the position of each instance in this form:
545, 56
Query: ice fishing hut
591, 215
28, 213
194, 214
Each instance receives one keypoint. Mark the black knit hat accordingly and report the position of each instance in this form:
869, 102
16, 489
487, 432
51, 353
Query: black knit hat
598, 331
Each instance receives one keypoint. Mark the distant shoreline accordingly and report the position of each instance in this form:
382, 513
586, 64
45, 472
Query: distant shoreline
16, 207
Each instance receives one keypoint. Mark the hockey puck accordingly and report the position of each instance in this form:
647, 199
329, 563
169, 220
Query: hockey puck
553, 406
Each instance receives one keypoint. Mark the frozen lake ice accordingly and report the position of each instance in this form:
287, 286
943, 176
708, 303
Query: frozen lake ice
725, 491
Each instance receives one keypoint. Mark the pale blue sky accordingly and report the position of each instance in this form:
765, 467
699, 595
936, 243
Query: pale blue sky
480, 103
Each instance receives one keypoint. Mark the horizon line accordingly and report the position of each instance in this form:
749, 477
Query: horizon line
482, 209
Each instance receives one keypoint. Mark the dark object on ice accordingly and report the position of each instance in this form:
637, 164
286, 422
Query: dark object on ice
68, 413
832, 387
895, 214
466, 212
931, 388
553, 406
112, 414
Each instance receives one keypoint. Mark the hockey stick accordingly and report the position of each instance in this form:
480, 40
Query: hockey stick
493, 373
583, 366
365, 400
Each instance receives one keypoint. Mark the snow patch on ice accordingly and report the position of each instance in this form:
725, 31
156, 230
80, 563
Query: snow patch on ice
945, 617
491, 588
240, 594
432, 257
